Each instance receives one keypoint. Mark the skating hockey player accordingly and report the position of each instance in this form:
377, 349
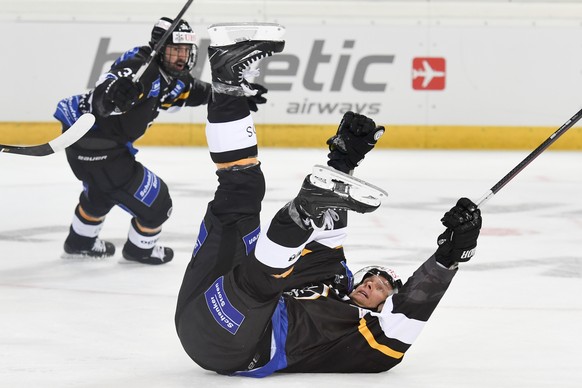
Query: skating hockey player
104, 160
280, 298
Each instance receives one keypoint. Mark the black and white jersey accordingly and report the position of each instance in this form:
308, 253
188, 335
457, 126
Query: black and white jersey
315, 328
160, 92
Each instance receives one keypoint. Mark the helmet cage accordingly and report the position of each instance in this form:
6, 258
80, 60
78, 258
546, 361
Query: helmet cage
181, 35
387, 273
190, 63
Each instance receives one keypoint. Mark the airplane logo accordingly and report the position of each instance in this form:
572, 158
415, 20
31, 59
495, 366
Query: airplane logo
428, 73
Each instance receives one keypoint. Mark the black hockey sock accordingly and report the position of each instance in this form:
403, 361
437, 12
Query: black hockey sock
287, 227
225, 108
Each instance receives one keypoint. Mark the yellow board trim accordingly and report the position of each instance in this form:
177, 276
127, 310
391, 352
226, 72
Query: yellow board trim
363, 328
282, 135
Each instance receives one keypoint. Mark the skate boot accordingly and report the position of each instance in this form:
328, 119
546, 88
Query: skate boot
82, 241
327, 189
142, 247
153, 256
77, 246
234, 50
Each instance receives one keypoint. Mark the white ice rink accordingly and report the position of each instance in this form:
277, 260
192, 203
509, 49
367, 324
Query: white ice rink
512, 317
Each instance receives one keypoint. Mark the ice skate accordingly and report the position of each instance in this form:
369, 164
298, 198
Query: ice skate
155, 256
235, 48
143, 247
99, 249
330, 189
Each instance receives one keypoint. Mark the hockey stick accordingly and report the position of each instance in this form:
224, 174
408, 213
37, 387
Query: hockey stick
70, 136
161, 42
530, 158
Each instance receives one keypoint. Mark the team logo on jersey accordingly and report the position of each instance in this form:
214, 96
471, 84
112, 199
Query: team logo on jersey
180, 86
224, 313
202, 235
155, 90
250, 240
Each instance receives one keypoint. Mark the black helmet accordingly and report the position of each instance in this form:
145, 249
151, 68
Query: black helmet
181, 34
390, 275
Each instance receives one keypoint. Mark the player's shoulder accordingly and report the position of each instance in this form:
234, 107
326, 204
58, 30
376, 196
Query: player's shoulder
187, 79
135, 55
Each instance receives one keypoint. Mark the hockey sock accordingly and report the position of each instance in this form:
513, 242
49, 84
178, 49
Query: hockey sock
141, 247
230, 130
283, 243
83, 233
140, 243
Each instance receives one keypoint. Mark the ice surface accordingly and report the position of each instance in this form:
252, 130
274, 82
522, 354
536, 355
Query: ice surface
511, 318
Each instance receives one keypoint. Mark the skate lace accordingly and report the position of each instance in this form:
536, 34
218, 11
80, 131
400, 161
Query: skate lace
158, 252
250, 73
330, 216
249, 69
99, 246
248, 90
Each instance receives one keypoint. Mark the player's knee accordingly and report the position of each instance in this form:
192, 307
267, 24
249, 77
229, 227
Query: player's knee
239, 192
159, 213
94, 208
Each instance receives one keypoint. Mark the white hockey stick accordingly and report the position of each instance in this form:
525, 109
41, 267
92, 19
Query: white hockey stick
70, 136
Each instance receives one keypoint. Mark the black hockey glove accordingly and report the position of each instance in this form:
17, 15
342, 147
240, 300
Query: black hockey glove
355, 137
123, 93
257, 98
458, 243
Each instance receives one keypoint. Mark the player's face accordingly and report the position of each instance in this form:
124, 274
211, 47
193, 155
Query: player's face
372, 292
176, 56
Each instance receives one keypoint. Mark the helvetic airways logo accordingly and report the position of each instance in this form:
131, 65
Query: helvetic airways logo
428, 73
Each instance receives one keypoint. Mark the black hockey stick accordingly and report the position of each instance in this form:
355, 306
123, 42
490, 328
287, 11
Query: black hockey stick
530, 158
70, 136
161, 42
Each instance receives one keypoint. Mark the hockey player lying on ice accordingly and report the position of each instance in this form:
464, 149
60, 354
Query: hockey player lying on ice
280, 297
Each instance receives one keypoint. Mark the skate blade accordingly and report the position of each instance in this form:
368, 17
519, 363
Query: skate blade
225, 34
326, 178
73, 257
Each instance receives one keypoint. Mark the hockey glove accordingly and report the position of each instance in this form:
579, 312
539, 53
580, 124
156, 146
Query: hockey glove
123, 93
355, 137
257, 98
459, 241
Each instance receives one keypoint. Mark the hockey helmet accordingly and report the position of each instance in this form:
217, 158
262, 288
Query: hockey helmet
182, 34
387, 273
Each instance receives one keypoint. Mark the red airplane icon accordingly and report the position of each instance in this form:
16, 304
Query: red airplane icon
428, 73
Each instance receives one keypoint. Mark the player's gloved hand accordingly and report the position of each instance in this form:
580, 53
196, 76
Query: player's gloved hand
355, 137
123, 93
459, 241
257, 98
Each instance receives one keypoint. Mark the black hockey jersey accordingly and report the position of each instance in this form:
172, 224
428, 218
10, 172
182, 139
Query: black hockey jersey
160, 92
316, 329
